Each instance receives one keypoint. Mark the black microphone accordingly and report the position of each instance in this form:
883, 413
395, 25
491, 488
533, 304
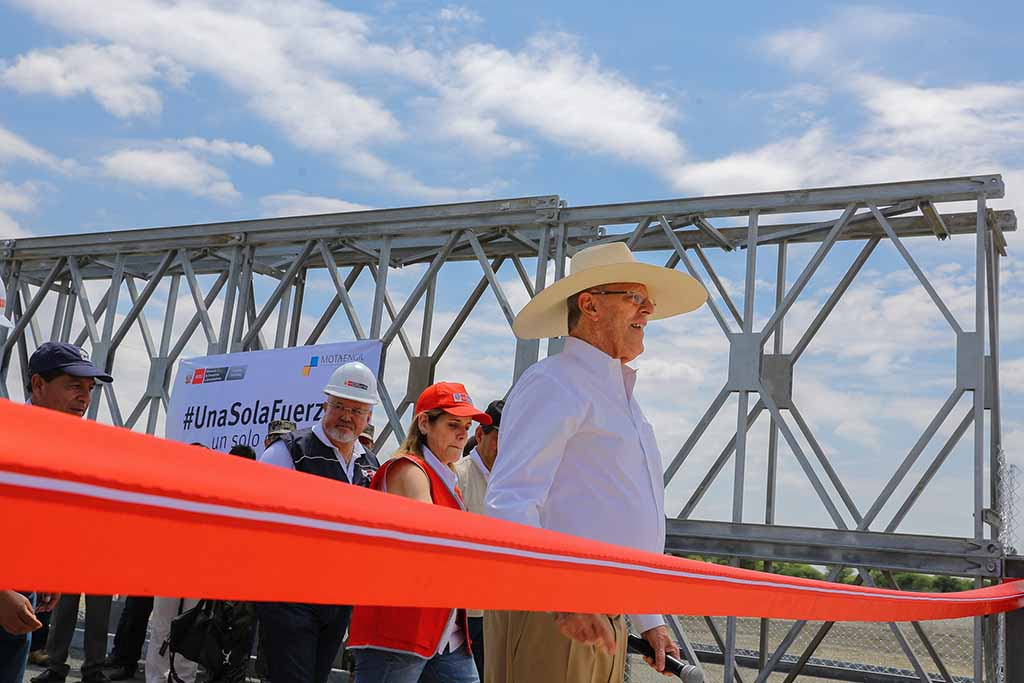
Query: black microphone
686, 672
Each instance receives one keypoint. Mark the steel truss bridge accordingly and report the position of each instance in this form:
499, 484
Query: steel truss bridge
225, 268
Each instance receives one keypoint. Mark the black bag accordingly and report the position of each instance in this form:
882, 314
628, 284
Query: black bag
215, 633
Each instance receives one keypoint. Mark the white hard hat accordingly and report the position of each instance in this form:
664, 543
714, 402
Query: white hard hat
4, 321
353, 381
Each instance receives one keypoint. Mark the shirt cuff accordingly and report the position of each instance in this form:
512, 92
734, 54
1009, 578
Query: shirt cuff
645, 622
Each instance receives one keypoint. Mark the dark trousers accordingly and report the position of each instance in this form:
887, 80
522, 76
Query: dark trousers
301, 640
131, 632
476, 634
14, 654
40, 635
62, 629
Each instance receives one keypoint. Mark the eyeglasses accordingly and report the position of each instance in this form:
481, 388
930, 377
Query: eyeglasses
635, 297
338, 408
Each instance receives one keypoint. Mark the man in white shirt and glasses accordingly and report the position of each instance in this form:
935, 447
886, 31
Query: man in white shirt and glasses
578, 456
473, 471
301, 640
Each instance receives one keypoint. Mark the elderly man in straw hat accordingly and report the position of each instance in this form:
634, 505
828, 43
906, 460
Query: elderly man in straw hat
578, 456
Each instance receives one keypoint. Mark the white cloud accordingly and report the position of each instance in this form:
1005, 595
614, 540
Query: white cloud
477, 130
298, 204
459, 14
908, 130
256, 154
24, 196
550, 88
1012, 375
794, 107
846, 40
392, 176
10, 229
170, 169
20, 197
180, 165
290, 64
117, 76
800, 161
983, 119
302, 66
800, 47
15, 148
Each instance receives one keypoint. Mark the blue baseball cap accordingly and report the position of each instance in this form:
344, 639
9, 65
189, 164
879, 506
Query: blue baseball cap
66, 358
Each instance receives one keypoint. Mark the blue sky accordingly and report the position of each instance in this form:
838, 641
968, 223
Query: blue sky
139, 113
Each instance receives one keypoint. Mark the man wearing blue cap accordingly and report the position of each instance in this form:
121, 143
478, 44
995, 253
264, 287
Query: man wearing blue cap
62, 378
17, 609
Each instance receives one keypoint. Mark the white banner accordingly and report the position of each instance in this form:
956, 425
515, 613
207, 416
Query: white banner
225, 400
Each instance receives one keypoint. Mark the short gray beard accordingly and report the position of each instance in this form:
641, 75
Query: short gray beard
337, 435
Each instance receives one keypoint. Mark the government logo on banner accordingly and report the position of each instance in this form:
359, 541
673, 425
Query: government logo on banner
230, 399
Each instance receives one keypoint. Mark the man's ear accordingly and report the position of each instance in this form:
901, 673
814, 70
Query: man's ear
587, 304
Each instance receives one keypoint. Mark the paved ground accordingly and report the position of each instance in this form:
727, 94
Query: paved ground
713, 673
641, 673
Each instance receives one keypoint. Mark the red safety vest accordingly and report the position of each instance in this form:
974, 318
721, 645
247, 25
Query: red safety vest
411, 630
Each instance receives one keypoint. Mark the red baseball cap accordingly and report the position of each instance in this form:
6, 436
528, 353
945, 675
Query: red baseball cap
452, 398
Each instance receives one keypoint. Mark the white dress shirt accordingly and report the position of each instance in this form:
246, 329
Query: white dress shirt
452, 637
473, 476
578, 455
278, 453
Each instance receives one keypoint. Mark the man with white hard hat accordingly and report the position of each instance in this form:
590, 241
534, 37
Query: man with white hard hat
578, 456
302, 640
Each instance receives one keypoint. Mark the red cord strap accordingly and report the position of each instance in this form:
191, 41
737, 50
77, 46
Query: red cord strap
117, 504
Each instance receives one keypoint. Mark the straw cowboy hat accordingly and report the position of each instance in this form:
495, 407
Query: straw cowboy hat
547, 313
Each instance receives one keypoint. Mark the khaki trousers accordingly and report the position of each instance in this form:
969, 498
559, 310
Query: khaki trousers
526, 647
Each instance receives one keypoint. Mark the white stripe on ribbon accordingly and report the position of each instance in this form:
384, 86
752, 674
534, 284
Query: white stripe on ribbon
166, 502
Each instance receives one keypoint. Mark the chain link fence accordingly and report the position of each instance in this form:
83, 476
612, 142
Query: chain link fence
867, 647
1009, 532
853, 647
1009, 512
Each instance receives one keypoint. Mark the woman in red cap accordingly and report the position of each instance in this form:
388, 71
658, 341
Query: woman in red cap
407, 644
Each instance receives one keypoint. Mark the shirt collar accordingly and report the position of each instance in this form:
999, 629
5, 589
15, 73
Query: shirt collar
479, 463
446, 473
601, 363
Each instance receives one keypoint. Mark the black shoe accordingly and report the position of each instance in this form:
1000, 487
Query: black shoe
121, 673
96, 677
110, 661
48, 676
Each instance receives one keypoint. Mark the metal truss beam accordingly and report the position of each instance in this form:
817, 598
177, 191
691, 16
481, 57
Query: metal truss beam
877, 550
56, 274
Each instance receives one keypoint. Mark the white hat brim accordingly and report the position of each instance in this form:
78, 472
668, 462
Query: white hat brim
546, 315
337, 393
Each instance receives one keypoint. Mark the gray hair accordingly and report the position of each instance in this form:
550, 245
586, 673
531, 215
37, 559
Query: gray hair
573, 304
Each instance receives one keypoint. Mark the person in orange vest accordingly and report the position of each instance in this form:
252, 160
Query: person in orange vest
407, 644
